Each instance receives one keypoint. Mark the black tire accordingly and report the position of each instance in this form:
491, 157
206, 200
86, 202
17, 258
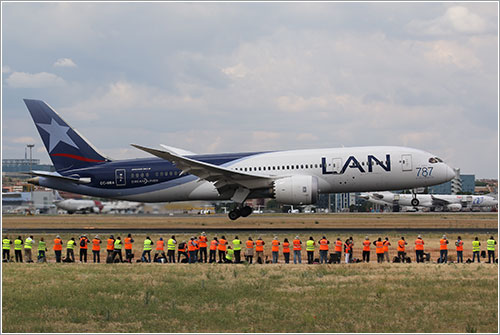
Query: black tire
414, 202
246, 211
234, 214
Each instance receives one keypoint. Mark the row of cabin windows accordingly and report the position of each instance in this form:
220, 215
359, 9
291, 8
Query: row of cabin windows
157, 174
292, 167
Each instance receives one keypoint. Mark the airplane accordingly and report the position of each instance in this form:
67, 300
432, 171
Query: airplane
293, 177
449, 202
78, 205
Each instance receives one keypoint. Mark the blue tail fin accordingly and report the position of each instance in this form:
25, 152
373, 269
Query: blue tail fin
66, 147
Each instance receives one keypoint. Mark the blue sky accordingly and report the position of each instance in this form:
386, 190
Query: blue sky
224, 77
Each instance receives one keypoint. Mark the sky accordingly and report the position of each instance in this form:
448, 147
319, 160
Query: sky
235, 77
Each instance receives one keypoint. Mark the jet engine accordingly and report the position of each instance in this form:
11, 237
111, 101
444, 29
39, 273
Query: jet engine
454, 207
296, 190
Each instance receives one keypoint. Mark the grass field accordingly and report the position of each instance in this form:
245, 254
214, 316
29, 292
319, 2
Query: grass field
258, 298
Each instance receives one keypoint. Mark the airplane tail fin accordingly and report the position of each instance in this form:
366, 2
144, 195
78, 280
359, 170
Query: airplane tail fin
66, 147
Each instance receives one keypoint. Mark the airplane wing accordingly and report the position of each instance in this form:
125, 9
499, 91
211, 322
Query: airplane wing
438, 201
56, 175
222, 177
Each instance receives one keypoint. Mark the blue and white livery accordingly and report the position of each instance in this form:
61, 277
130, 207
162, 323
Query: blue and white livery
293, 177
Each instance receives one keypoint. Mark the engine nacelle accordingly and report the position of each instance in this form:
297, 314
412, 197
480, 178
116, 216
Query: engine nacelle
454, 207
296, 190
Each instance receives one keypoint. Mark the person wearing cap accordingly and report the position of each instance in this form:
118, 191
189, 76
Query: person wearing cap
42, 248
297, 250
58, 243
386, 249
18, 249
490, 245
366, 250
419, 249
275, 249
249, 250
28, 246
70, 250
83, 248
96, 249
171, 249
202, 243
443, 249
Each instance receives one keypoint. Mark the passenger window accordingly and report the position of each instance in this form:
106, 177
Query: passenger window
142, 175
302, 166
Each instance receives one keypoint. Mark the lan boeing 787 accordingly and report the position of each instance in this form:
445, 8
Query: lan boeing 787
293, 177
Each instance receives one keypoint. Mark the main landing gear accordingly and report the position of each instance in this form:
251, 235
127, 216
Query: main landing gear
240, 211
414, 201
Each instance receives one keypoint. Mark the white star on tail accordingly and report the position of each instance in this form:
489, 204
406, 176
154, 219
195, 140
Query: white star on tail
57, 133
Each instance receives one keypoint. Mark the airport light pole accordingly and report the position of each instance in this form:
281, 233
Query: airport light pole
30, 146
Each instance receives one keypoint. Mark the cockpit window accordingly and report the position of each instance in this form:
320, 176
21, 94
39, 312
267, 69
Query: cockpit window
434, 160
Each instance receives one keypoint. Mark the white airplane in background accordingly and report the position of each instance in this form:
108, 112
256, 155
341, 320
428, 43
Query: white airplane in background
449, 202
292, 177
78, 205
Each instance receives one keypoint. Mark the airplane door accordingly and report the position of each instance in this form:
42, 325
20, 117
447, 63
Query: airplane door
406, 162
120, 179
336, 165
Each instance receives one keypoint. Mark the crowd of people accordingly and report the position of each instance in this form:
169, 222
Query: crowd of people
198, 249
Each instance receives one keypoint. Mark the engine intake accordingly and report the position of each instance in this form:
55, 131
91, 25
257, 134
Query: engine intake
296, 190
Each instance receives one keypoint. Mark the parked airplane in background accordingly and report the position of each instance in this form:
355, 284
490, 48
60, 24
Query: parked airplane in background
293, 177
78, 205
432, 201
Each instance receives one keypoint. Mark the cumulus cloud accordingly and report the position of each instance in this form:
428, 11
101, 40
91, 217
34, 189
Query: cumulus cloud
34, 80
64, 62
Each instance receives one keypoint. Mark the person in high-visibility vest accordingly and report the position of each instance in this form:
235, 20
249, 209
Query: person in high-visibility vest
323, 250
160, 251
171, 243
347, 250
6, 242
18, 249
128, 248
222, 249
249, 250
366, 250
203, 244
96, 249
182, 251
476, 249
192, 250
443, 250
197, 245
259, 250
419, 249
42, 248
275, 249
460, 250
490, 245
70, 250
214, 244
297, 250
28, 246
146, 250
58, 243
402, 249
237, 250
229, 255
286, 250
310, 245
338, 250
110, 247
84, 241
379, 250
386, 249
117, 251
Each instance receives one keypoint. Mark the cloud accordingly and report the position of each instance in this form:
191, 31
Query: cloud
6, 69
23, 140
34, 80
64, 62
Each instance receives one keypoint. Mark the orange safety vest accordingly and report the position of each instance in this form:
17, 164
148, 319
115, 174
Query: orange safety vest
338, 246
57, 244
203, 242
111, 244
286, 247
401, 245
366, 245
386, 246
96, 244
128, 243
213, 245
442, 244
275, 245
323, 244
348, 248
160, 245
250, 244
191, 246
222, 244
183, 248
460, 246
379, 247
85, 240
197, 246
297, 245
419, 244
259, 245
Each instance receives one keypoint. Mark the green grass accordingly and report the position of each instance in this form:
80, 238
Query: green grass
256, 298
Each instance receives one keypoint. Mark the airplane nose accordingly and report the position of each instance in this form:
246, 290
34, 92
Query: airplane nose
450, 173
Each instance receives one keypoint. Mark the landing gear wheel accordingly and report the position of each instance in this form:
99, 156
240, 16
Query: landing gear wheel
414, 202
234, 214
246, 211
